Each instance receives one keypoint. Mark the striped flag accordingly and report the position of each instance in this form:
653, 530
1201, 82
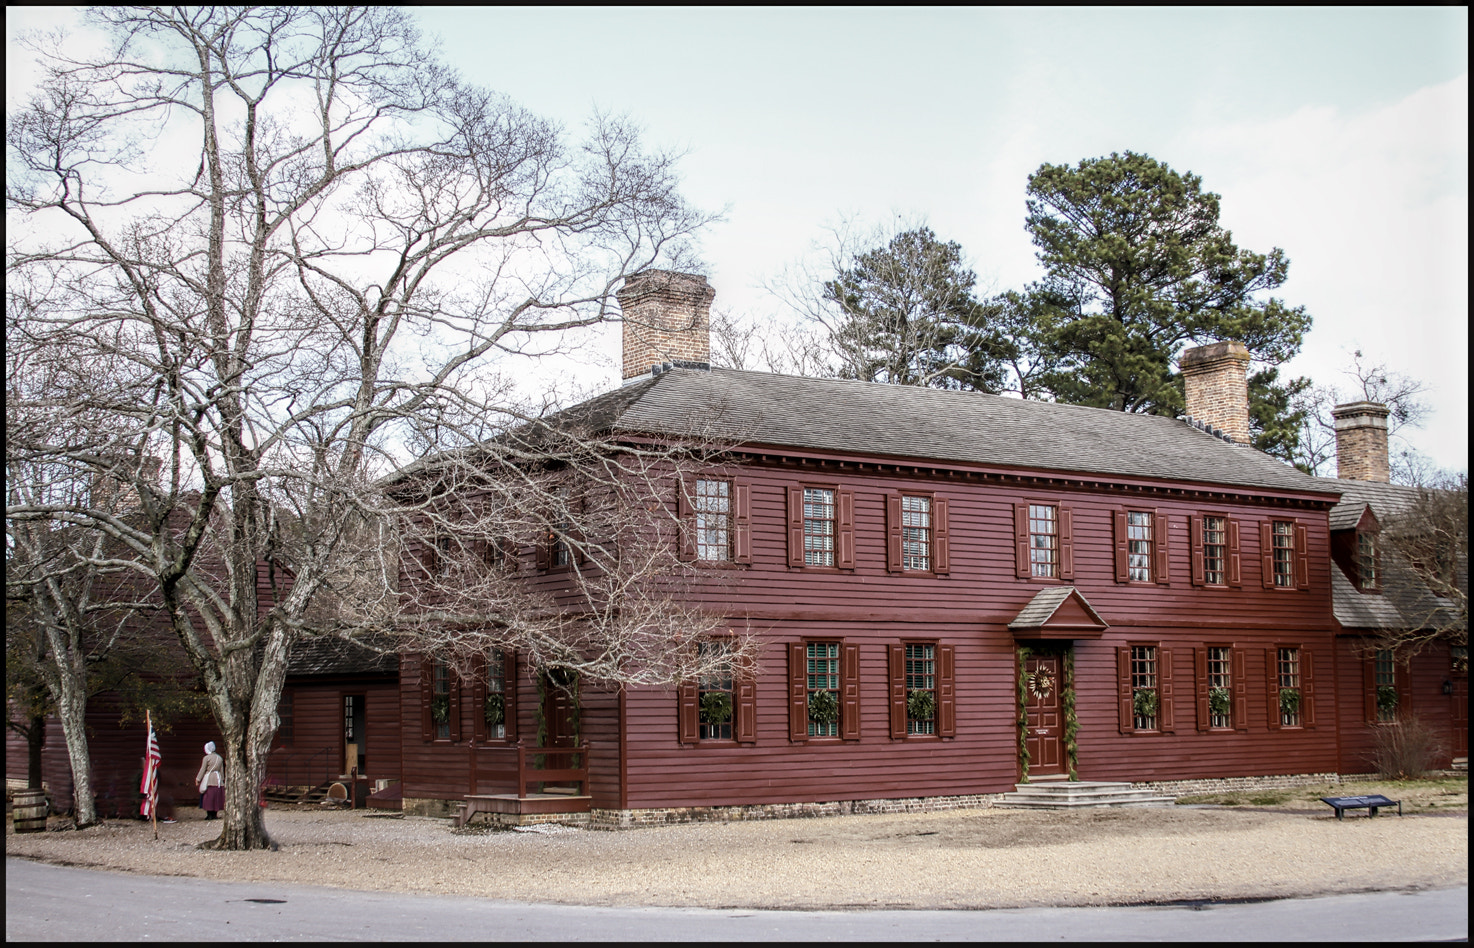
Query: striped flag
150, 785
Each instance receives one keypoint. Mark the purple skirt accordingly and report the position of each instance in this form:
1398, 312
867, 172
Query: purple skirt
213, 799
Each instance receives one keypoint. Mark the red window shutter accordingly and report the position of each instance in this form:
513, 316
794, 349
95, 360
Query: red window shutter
898, 691
1240, 691
1302, 556
478, 698
1195, 541
1166, 720
509, 693
543, 550
685, 518
1403, 675
946, 691
1123, 689
1266, 552
741, 520
798, 694
427, 688
796, 533
1307, 688
941, 554
746, 701
849, 716
844, 529
1235, 555
1066, 544
1200, 687
687, 730
1272, 686
1021, 540
578, 538
1160, 535
1369, 689
455, 706
1119, 519
893, 533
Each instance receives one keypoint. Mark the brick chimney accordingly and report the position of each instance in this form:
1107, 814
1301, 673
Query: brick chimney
667, 318
1216, 377
1361, 442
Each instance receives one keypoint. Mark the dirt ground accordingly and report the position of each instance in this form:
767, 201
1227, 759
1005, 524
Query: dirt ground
983, 858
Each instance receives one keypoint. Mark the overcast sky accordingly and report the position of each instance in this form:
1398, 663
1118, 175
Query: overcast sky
1340, 135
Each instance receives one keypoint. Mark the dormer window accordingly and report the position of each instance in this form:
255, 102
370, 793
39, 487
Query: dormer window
1368, 562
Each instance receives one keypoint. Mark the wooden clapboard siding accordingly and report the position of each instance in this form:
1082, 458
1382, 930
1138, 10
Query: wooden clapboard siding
1421, 695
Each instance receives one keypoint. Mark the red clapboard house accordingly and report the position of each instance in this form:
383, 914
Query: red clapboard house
953, 591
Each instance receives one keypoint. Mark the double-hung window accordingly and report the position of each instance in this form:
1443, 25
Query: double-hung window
916, 533
1368, 562
818, 526
821, 527
1283, 537
1144, 688
713, 513
822, 673
1043, 541
1141, 546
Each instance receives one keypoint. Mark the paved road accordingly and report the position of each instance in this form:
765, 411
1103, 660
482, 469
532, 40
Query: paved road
55, 903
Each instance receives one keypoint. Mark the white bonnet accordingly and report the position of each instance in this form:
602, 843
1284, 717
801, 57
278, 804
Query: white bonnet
209, 747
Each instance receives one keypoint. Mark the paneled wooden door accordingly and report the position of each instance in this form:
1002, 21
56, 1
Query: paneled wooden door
1044, 715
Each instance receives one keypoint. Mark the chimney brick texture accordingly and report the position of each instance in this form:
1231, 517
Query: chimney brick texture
1361, 442
667, 318
1216, 378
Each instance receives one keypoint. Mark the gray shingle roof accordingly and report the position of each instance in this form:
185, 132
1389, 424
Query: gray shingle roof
331, 656
1043, 606
931, 424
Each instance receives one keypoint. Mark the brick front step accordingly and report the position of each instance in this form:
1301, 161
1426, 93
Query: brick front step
1066, 795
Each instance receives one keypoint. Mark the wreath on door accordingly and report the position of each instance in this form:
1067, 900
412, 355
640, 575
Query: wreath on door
1040, 685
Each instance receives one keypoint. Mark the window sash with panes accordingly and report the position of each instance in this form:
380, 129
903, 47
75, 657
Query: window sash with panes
1144, 681
1366, 561
1044, 540
818, 526
713, 510
496, 686
1283, 534
440, 695
1385, 675
823, 675
916, 533
717, 685
1289, 680
1139, 545
1215, 550
921, 676
1220, 681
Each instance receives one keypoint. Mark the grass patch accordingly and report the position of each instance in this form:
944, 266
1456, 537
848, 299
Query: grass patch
1443, 794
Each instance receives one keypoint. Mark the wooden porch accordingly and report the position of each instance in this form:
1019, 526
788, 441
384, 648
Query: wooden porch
516, 783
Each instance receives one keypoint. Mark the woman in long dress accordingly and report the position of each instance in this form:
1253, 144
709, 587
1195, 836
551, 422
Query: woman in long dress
211, 779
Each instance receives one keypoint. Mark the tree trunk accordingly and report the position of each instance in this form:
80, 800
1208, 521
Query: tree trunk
71, 709
245, 823
35, 740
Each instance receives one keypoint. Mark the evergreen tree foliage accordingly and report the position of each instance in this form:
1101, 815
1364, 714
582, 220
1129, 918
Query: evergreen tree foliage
907, 314
1137, 267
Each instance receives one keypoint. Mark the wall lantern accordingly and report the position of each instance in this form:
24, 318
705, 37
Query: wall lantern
1448, 687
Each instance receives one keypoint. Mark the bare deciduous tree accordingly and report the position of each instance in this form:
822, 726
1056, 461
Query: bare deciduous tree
1430, 535
284, 251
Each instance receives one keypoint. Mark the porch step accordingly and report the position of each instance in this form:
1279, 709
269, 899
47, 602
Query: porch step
513, 807
279, 794
1076, 794
1461, 763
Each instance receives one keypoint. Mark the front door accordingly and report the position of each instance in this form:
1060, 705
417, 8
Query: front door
1044, 717
355, 740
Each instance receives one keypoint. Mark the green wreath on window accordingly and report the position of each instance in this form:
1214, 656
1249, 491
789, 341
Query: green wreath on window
1289, 702
1220, 702
716, 707
1144, 703
823, 707
495, 710
1386, 700
440, 708
921, 704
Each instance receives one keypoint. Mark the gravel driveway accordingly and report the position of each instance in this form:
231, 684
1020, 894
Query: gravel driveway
986, 858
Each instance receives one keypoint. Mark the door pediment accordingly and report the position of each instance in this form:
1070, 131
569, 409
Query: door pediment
1059, 612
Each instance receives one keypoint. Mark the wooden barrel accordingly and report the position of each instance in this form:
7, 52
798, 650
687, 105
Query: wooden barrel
30, 811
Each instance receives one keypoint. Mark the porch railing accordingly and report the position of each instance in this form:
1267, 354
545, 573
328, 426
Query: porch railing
522, 766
